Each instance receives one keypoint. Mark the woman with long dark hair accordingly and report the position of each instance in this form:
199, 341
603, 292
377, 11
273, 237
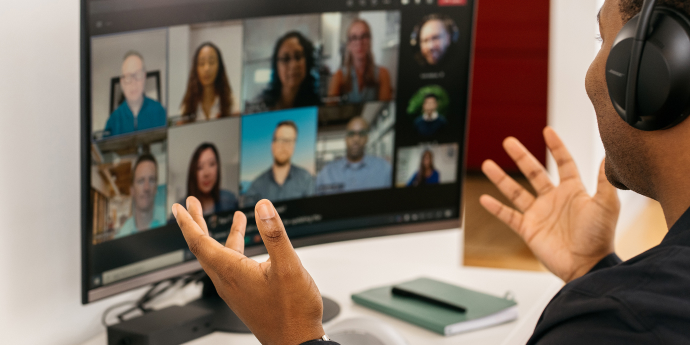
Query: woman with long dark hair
360, 80
293, 83
203, 181
427, 173
208, 95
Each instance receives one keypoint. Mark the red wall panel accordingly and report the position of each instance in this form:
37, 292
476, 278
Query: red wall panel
509, 91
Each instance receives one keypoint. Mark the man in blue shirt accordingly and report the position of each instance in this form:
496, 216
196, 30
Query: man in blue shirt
137, 112
283, 180
145, 213
357, 171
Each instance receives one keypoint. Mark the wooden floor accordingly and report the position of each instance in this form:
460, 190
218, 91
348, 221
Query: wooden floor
490, 243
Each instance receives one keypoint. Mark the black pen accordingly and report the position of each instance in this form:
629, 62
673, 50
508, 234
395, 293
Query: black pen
406, 293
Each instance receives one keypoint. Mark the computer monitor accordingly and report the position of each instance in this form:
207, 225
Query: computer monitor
349, 115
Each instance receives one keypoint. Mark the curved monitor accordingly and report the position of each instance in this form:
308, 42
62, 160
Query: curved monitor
349, 115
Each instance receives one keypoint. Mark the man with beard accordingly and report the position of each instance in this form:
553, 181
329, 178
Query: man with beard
644, 300
145, 213
357, 171
435, 39
283, 180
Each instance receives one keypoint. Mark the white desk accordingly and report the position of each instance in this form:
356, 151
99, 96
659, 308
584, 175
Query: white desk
340, 269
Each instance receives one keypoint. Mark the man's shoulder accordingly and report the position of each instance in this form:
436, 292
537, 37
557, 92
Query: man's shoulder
128, 228
376, 162
300, 172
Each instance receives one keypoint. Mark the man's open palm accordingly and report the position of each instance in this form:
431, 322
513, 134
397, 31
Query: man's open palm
568, 230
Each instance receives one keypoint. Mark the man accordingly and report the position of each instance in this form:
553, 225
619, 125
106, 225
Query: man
137, 112
430, 122
283, 180
434, 40
357, 171
145, 213
642, 301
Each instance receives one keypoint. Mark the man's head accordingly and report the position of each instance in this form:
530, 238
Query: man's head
144, 183
133, 77
430, 105
634, 158
356, 138
434, 40
283, 146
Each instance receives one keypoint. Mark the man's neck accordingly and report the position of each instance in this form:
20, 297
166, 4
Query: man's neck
142, 219
135, 106
280, 173
355, 159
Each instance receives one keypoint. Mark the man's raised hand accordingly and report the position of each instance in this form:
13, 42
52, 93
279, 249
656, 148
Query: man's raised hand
276, 299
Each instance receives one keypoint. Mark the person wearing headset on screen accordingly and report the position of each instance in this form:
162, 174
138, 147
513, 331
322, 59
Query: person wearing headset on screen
145, 213
292, 82
203, 181
208, 95
137, 112
357, 171
644, 300
360, 80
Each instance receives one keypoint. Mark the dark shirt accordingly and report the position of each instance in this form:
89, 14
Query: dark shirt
429, 128
298, 184
122, 120
645, 300
434, 178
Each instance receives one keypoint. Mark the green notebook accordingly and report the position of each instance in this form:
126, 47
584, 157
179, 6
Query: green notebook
482, 310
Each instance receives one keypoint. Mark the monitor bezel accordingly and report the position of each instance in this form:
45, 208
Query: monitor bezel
92, 295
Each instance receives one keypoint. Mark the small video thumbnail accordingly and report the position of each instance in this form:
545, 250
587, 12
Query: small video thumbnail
354, 150
204, 160
426, 165
278, 155
128, 184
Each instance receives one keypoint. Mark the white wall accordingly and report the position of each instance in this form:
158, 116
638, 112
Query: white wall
572, 47
39, 177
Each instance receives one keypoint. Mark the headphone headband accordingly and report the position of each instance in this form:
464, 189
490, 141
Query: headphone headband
635, 59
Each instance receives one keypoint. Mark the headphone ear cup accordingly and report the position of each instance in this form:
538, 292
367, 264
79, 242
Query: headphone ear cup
663, 90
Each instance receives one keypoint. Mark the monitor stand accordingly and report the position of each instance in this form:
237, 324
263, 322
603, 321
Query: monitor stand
225, 319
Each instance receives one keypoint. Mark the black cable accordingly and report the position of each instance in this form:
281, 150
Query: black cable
140, 304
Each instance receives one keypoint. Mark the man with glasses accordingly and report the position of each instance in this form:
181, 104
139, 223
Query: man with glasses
137, 112
145, 213
283, 180
357, 171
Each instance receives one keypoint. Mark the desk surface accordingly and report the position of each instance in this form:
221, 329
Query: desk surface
341, 269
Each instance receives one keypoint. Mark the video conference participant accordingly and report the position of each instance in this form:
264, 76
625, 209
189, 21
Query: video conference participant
357, 171
292, 83
427, 173
605, 301
208, 95
435, 38
283, 180
360, 80
137, 112
145, 213
430, 121
203, 181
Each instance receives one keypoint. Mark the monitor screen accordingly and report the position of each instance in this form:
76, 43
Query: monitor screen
349, 115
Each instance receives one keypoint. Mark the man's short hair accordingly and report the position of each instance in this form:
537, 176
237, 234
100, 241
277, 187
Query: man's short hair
630, 8
431, 95
288, 123
146, 157
137, 54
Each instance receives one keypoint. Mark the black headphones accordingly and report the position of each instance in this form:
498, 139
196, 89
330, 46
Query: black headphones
648, 69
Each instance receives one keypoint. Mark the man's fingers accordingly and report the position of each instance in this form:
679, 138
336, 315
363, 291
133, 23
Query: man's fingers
506, 214
274, 236
196, 211
530, 166
207, 250
566, 165
519, 196
236, 238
